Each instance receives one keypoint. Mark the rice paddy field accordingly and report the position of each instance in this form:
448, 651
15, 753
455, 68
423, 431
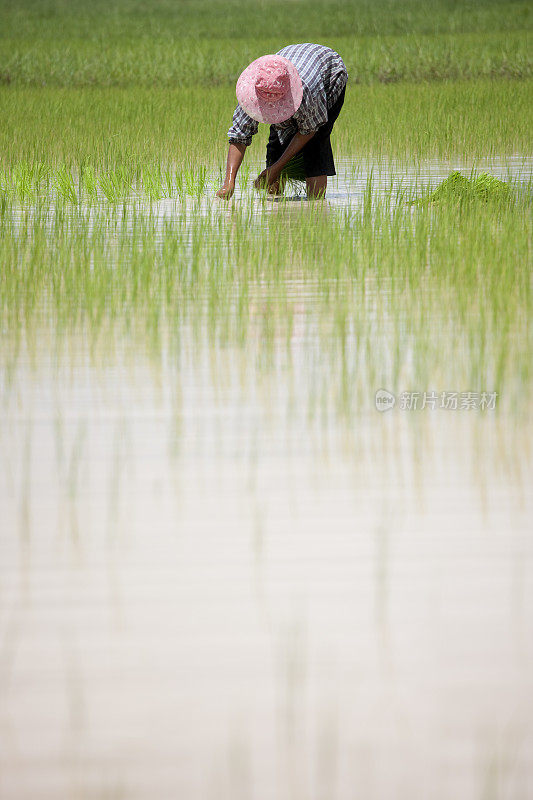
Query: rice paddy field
265, 465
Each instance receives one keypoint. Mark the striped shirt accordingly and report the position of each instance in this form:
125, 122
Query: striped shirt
323, 74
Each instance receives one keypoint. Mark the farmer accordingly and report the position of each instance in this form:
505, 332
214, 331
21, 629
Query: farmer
299, 92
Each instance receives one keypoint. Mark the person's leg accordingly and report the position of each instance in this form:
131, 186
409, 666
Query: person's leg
318, 155
316, 186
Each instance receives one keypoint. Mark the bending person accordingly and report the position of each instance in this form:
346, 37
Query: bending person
299, 92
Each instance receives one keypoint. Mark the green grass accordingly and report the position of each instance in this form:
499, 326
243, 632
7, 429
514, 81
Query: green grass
63, 20
165, 43
162, 128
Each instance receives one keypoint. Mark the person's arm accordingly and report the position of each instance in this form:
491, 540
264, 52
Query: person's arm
271, 175
240, 134
236, 153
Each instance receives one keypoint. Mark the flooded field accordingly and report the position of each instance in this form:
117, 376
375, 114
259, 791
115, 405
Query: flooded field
228, 571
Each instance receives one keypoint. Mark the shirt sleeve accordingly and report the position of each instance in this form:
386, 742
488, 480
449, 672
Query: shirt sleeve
243, 127
313, 111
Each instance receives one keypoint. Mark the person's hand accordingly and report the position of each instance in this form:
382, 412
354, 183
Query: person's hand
269, 180
226, 192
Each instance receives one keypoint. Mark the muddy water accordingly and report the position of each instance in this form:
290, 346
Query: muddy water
348, 189
355, 175
394, 180
211, 587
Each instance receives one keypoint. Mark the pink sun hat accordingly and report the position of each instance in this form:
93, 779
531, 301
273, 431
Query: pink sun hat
270, 89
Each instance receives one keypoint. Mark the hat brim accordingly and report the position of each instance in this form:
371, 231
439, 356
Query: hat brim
269, 111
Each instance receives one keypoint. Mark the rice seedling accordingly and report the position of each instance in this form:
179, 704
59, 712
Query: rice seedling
236, 348
195, 181
381, 268
385, 42
121, 266
64, 185
88, 183
401, 121
168, 182
293, 173
458, 188
116, 184
25, 180
152, 182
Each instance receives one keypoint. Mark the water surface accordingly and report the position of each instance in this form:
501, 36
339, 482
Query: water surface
226, 574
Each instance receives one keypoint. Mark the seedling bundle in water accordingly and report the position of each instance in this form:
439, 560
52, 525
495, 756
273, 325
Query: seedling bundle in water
294, 172
459, 188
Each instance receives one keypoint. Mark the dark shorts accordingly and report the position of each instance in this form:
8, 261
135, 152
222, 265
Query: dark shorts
317, 154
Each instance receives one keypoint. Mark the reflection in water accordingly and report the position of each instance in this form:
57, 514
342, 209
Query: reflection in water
225, 574
210, 596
